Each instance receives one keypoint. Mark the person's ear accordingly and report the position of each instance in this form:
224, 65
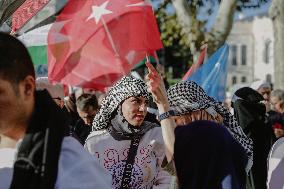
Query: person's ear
28, 86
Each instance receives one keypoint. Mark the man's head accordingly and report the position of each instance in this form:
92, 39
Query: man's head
278, 130
262, 87
17, 86
191, 103
277, 100
87, 107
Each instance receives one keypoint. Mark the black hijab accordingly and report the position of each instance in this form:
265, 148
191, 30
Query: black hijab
207, 157
251, 115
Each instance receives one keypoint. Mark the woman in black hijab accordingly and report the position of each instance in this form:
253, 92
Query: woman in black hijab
250, 113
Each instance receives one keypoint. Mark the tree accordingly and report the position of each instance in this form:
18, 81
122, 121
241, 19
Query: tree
276, 13
184, 29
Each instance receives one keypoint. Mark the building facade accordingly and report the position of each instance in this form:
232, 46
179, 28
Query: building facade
251, 52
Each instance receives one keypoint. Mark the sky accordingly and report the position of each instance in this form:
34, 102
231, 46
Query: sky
246, 12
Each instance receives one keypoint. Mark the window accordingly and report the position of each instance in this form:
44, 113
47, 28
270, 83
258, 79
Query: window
234, 80
244, 79
234, 54
269, 78
244, 54
267, 51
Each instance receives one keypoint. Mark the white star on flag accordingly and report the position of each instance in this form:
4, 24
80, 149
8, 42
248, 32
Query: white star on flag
99, 11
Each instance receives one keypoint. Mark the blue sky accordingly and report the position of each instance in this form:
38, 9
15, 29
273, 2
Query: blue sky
246, 12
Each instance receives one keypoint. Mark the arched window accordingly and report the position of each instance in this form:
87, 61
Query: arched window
244, 54
234, 51
234, 80
269, 78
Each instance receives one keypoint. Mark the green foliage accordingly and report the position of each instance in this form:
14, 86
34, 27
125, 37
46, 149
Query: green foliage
176, 48
177, 52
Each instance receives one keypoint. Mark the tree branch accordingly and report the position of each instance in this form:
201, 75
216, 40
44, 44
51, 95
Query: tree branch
223, 25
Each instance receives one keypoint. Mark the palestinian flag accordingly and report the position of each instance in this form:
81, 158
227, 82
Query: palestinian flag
36, 42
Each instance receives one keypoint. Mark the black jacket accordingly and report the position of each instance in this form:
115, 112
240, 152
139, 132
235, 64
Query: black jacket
36, 164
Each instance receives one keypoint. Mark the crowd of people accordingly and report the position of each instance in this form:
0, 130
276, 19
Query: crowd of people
192, 142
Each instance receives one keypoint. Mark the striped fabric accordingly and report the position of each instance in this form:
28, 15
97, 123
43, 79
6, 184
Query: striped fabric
26, 11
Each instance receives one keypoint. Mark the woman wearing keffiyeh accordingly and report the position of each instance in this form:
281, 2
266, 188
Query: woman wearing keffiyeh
126, 145
191, 103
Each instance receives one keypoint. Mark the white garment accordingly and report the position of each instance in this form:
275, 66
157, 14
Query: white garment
76, 170
112, 154
7, 156
276, 166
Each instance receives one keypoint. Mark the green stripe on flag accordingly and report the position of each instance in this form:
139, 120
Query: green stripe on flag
38, 54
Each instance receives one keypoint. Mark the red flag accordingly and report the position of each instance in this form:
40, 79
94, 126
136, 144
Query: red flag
195, 66
95, 42
25, 12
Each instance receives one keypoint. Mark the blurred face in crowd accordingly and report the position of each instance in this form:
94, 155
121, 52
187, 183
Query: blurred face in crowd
279, 132
16, 106
265, 92
58, 101
276, 104
195, 116
87, 115
134, 110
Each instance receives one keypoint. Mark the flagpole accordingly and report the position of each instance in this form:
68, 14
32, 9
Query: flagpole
110, 38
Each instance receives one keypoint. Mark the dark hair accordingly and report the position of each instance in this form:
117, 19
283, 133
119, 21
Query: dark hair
85, 101
15, 61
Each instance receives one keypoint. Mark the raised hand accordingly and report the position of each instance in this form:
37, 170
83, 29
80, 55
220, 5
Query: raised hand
156, 85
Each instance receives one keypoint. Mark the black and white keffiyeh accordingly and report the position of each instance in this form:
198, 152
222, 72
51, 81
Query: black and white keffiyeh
187, 96
127, 87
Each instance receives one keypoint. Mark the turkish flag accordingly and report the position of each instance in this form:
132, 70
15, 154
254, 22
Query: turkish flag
93, 43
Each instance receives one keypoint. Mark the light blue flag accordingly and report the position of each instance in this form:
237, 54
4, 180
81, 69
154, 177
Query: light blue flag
212, 75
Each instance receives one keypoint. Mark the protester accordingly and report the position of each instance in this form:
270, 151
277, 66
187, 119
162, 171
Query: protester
208, 157
264, 88
277, 101
276, 114
70, 105
87, 107
190, 103
251, 115
45, 157
278, 130
127, 145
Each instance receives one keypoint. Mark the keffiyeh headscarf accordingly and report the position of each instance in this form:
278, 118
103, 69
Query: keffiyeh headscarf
127, 87
185, 97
